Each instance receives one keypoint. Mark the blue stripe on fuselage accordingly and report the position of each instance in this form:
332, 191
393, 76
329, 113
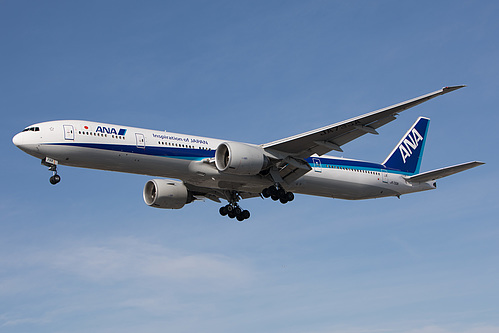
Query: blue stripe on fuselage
331, 162
180, 153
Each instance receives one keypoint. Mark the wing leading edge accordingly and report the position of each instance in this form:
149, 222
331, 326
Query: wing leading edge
322, 140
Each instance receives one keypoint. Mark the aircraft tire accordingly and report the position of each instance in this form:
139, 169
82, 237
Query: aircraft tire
272, 190
55, 179
223, 211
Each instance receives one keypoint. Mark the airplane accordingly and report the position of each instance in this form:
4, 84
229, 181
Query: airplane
205, 168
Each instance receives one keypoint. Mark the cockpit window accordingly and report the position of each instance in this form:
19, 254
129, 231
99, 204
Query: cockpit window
34, 129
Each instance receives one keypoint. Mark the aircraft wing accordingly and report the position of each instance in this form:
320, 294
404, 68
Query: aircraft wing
443, 172
332, 137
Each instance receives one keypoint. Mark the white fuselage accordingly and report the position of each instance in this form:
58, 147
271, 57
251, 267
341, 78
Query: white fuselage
189, 158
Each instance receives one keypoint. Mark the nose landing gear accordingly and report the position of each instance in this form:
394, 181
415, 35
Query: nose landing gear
52, 164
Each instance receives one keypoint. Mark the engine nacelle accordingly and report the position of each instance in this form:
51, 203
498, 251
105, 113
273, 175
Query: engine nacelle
166, 193
240, 158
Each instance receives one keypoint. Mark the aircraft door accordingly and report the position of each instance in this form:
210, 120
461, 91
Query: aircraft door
385, 177
317, 164
140, 140
68, 132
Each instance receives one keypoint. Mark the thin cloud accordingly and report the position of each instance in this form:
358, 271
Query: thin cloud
425, 329
130, 258
129, 273
437, 329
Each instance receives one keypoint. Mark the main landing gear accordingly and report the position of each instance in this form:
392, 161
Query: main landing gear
276, 192
233, 210
52, 164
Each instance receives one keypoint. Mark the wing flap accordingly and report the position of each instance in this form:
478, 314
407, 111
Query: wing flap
291, 173
443, 172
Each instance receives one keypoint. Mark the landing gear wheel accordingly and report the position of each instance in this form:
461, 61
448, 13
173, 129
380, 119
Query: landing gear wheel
234, 211
223, 210
278, 193
55, 179
243, 215
272, 190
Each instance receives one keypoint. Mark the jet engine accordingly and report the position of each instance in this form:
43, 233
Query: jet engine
240, 158
166, 193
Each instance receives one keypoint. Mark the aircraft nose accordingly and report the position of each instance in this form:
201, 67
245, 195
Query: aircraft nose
18, 139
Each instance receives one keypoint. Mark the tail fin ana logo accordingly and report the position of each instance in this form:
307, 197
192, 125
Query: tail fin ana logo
411, 141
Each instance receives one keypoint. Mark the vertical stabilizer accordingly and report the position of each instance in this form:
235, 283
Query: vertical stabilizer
407, 154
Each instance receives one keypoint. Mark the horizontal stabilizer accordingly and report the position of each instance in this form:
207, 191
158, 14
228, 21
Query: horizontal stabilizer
443, 172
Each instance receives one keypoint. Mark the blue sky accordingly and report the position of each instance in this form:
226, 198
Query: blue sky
88, 255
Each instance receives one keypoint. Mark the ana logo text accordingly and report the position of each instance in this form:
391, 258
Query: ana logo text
411, 141
110, 130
